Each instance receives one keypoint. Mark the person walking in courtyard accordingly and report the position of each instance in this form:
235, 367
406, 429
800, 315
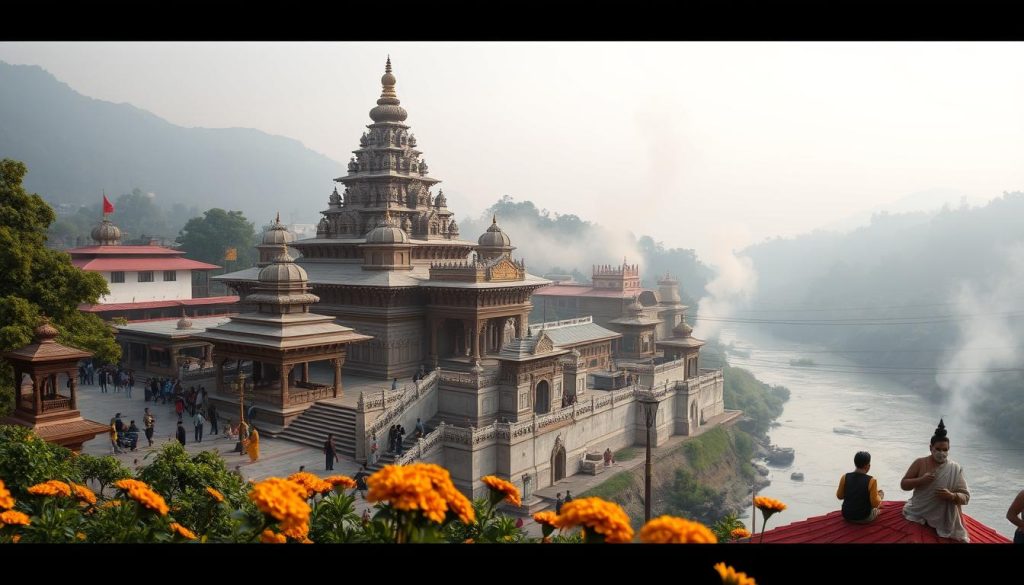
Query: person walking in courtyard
559, 502
859, 491
199, 421
394, 384
211, 413
329, 452
374, 447
180, 433
148, 422
568, 496
360, 479
253, 447
939, 490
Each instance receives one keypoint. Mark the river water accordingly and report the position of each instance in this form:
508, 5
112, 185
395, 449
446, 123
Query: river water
831, 415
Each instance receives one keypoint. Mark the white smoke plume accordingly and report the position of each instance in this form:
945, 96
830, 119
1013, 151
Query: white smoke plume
734, 284
987, 340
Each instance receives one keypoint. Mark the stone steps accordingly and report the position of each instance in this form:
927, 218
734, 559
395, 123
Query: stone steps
313, 425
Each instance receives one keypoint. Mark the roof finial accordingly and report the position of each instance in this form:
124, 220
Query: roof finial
494, 219
278, 218
387, 67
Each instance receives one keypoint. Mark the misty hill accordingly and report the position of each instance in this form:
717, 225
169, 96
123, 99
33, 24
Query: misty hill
76, 146
567, 244
942, 292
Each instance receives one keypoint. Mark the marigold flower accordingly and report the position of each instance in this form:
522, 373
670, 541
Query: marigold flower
468, 541
605, 518
270, 537
509, 491
6, 500
217, 496
420, 486
731, 577
673, 530
83, 493
53, 488
80, 535
341, 481
14, 518
143, 494
110, 504
739, 533
284, 501
766, 504
16, 538
182, 531
312, 484
546, 517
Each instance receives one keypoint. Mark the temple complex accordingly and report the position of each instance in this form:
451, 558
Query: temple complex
411, 299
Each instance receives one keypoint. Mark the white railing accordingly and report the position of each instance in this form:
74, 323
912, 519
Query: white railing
423, 446
398, 400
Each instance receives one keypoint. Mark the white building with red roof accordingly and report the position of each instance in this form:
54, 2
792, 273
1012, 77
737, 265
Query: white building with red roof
147, 281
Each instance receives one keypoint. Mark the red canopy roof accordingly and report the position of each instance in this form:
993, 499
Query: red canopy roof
889, 527
122, 250
139, 264
158, 304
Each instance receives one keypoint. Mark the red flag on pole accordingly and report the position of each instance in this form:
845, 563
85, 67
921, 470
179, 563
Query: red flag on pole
108, 207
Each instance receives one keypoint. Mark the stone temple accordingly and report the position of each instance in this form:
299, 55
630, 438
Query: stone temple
498, 395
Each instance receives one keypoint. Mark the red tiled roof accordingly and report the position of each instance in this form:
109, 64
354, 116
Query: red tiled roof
158, 304
889, 527
569, 290
107, 264
123, 250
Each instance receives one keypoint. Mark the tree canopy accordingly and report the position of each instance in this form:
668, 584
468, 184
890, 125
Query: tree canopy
208, 238
38, 280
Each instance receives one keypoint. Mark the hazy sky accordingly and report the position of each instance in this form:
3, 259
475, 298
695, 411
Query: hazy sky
687, 142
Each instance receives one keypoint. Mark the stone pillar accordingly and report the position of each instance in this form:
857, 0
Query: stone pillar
433, 341
220, 376
38, 382
338, 391
285, 371
305, 372
74, 389
476, 339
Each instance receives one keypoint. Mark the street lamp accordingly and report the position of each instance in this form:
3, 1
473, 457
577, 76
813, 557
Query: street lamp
239, 385
650, 405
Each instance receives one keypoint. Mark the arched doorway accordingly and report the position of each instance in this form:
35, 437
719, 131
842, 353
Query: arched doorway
542, 398
557, 463
694, 420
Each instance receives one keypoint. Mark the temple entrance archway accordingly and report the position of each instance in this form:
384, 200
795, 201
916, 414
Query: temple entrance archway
558, 463
542, 398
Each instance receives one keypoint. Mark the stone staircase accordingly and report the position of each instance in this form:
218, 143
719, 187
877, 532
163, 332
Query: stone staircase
312, 426
386, 458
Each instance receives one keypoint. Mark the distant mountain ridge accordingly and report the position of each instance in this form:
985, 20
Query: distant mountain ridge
76, 146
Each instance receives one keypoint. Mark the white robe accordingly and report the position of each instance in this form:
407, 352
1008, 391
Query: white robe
926, 508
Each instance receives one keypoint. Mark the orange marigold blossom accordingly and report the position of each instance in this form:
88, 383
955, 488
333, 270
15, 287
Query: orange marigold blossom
16, 539
765, 503
546, 517
83, 493
270, 537
673, 530
605, 518
501, 486
80, 535
143, 494
738, 533
182, 531
424, 487
51, 488
313, 484
216, 495
14, 518
282, 500
341, 481
731, 577
6, 499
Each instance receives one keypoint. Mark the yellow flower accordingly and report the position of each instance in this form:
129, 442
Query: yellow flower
143, 494
739, 533
16, 538
420, 486
6, 500
271, 537
80, 535
284, 501
341, 481
217, 496
546, 517
509, 491
731, 577
673, 530
53, 488
83, 493
14, 518
313, 484
770, 505
182, 531
110, 504
605, 518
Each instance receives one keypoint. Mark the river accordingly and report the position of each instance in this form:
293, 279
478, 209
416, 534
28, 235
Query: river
833, 414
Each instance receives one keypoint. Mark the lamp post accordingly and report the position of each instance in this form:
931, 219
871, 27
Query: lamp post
239, 385
650, 405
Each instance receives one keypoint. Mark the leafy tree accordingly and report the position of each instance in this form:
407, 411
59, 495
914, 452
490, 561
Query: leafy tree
208, 238
102, 470
39, 280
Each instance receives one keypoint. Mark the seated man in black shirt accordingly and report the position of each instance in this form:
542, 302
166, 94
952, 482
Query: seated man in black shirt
859, 491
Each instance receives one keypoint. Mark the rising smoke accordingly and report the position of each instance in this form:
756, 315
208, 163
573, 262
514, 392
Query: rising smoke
734, 284
986, 340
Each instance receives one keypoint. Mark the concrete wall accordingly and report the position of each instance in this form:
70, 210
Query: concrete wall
133, 291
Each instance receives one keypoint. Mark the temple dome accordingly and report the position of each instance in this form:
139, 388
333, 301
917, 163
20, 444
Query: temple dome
683, 329
282, 270
106, 234
387, 232
494, 237
277, 234
388, 108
